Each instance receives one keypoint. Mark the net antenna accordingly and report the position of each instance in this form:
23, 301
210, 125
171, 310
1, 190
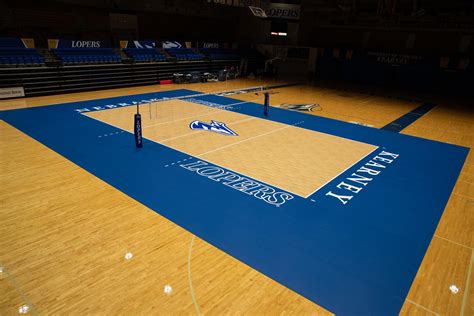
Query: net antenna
149, 109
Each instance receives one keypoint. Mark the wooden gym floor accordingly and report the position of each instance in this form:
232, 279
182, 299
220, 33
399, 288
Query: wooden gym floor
64, 232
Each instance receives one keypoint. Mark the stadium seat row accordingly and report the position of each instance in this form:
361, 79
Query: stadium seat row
21, 60
184, 54
144, 54
89, 59
20, 56
149, 57
86, 55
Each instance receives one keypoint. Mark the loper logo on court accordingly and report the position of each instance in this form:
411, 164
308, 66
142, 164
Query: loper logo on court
214, 126
301, 107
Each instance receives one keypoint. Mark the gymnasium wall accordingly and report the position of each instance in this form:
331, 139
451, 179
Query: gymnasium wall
101, 20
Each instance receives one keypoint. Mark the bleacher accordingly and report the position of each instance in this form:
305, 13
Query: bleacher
182, 54
80, 65
70, 56
20, 57
144, 54
221, 53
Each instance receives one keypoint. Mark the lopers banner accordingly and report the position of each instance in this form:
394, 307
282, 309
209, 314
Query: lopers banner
13, 42
209, 45
62, 43
138, 44
283, 11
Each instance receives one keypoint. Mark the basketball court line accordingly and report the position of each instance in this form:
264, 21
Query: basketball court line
10, 277
57, 141
454, 242
190, 278
422, 307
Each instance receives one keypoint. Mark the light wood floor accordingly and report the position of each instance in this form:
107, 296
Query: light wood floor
56, 218
294, 159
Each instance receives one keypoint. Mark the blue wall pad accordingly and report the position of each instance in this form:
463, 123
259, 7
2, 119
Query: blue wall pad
354, 258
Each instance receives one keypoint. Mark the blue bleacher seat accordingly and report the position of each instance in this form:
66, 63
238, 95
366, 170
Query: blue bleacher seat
20, 56
144, 54
184, 54
86, 55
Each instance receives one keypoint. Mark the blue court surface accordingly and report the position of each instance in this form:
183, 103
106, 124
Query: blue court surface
352, 247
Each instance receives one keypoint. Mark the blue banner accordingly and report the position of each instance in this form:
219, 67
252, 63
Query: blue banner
12, 42
138, 44
173, 44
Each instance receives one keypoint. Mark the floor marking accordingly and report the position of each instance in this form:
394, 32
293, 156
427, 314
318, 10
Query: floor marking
464, 196
456, 243
17, 287
200, 131
190, 157
329, 181
111, 134
409, 118
421, 306
244, 140
468, 278
190, 279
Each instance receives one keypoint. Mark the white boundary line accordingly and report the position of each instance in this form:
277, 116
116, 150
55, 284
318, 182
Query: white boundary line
453, 242
286, 126
190, 278
343, 171
420, 306
189, 155
244, 140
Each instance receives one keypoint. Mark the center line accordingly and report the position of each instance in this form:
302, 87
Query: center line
226, 146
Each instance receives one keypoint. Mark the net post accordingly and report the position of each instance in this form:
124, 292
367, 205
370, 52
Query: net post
266, 103
137, 130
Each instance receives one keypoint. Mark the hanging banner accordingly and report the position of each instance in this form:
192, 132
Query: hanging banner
60, 43
283, 11
258, 12
138, 44
173, 44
